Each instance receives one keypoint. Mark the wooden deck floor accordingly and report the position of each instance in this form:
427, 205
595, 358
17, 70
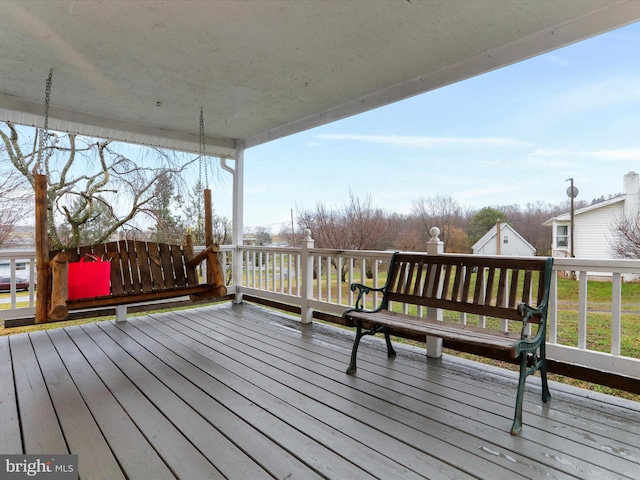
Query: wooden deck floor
238, 391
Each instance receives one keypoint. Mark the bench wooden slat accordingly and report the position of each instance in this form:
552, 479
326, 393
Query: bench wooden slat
113, 255
526, 288
488, 296
540, 288
513, 291
178, 265
467, 285
144, 269
125, 267
501, 297
475, 335
167, 266
155, 266
417, 285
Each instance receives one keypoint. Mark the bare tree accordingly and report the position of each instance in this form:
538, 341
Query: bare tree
15, 196
83, 173
626, 238
357, 226
440, 211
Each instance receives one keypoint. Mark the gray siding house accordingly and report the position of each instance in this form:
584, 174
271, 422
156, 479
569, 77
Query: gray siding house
502, 239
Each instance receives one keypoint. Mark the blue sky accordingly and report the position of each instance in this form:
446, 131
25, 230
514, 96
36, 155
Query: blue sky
511, 136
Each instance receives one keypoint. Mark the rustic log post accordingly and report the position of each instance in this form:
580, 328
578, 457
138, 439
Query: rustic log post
43, 293
434, 344
59, 286
218, 277
188, 249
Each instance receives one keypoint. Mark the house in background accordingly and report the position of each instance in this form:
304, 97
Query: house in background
502, 239
593, 226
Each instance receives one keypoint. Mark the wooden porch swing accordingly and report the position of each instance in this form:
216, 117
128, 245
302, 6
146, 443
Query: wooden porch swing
139, 271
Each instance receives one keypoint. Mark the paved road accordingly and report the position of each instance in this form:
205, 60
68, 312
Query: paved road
21, 297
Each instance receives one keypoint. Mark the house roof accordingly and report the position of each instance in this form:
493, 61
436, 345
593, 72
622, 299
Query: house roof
140, 71
566, 217
491, 234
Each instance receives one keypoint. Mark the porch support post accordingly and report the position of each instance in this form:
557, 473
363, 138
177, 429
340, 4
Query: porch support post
43, 292
238, 217
306, 261
434, 344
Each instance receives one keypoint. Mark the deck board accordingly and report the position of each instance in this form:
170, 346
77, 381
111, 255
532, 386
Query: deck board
41, 432
10, 440
239, 391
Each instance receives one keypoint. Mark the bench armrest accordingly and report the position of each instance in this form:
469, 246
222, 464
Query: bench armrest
362, 291
527, 312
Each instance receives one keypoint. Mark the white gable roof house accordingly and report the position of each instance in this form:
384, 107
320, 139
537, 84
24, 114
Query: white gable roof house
502, 239
593, 225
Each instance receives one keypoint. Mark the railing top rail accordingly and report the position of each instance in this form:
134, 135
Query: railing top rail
17, 254
262, 248
597, 265
386, 254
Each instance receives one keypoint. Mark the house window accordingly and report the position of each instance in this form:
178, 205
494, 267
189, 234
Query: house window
562, 236
505, 239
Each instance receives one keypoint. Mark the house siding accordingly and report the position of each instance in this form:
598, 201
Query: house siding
516, 247
593, 232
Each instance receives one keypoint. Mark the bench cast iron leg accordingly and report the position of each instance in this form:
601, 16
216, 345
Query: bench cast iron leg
517, 420
391, 353
354, 350
546, 396
359, 334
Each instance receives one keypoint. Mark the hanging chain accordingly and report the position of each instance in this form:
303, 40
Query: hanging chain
45, 131
202, 152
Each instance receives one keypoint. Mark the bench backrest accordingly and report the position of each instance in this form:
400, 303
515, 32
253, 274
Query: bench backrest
490, 286
142, 267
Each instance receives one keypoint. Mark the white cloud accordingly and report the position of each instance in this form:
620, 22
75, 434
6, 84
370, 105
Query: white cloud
426, 141
557, 60
562, 155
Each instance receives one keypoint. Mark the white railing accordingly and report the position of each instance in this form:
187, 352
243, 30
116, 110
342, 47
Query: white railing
322, 288
316, 279
20, 304
582, 269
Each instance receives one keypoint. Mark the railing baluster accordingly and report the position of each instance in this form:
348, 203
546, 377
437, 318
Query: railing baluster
339, 280
328, 278
616, 313
582, 310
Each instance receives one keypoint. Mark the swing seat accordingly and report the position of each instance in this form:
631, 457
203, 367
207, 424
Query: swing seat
139, 272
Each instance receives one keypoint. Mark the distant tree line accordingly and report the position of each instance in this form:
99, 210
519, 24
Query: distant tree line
358, 225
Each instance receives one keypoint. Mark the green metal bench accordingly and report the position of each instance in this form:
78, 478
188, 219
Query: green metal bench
498, 288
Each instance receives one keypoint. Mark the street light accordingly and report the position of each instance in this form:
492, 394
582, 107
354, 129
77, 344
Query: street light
572, 192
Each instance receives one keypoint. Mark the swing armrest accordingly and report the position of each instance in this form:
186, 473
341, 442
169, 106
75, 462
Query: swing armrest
199, 258
59, 286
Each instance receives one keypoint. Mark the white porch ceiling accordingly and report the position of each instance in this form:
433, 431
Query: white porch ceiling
139, 71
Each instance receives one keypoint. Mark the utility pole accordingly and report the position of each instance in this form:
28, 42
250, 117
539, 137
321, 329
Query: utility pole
572, 193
